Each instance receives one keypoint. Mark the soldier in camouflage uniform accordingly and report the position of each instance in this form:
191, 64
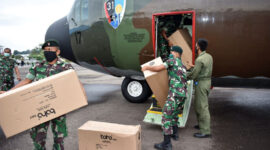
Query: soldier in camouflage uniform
40, 70
1, 75
167, 26
7, 65
59, 129
176, 96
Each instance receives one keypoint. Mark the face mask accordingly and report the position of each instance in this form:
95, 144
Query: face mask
50, 56
196, 50
6, 54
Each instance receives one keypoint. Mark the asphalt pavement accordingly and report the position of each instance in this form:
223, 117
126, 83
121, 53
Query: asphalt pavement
240, 117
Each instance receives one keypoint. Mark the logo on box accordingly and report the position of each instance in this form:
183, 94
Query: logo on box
107, 138
46, 113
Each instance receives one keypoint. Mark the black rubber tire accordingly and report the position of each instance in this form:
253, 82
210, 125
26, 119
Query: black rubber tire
146, 93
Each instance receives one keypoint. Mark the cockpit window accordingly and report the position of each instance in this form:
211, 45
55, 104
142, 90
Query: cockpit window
81, 10
77, 11
84, 10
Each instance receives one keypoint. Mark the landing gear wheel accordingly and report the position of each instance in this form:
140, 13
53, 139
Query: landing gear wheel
135, 91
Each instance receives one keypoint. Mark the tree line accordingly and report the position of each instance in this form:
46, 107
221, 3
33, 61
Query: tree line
35, 53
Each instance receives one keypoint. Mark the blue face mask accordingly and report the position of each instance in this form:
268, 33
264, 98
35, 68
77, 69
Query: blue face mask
6, 54
171, 56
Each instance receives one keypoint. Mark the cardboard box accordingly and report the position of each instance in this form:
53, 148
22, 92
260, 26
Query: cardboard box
183, 39
109, 136
158, 81
41, 101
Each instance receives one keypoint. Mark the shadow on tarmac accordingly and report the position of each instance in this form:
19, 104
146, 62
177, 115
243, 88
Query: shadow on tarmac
98, 93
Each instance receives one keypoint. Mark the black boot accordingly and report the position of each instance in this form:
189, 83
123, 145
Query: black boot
197, 127
165, 145
175, 135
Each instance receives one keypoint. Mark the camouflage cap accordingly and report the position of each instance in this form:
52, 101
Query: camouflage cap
50, 43
177, 49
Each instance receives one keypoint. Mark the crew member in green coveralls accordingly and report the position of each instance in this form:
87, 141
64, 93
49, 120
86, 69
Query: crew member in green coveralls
176, 96
7, 67
52, 65
201, 74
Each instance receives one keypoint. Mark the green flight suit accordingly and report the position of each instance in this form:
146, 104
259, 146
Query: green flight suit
201, 74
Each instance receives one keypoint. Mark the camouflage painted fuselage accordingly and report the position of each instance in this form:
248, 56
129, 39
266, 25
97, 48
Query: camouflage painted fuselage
238, 33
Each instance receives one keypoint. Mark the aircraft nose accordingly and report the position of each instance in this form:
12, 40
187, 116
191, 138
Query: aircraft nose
59, 31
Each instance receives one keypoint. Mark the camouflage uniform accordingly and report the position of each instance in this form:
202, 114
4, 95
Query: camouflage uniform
38, 134
7, 66
1, 74
176, 96
169, 27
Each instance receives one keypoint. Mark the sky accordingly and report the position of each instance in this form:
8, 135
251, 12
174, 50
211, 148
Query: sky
23, 23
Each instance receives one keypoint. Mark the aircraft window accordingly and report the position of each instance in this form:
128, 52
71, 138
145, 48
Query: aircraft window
77, 11
84, 10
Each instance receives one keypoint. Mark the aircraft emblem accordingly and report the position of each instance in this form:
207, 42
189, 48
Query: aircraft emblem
115, 10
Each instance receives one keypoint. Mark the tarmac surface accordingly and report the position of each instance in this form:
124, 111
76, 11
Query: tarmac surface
240, 117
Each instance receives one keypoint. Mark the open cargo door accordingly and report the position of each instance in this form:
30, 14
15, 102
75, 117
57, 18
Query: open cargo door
181, 27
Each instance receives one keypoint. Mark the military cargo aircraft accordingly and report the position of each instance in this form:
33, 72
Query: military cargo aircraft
117, 36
